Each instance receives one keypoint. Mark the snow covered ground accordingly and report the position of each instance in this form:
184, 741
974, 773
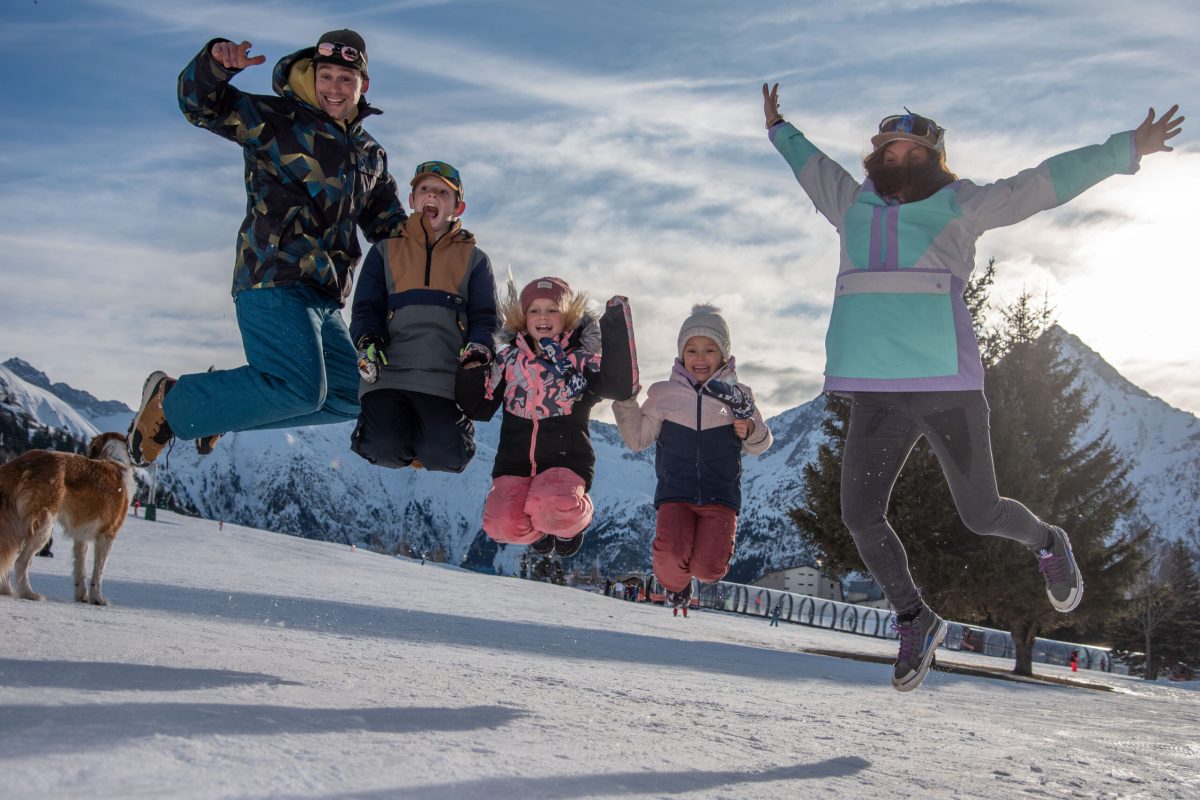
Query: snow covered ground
240, 663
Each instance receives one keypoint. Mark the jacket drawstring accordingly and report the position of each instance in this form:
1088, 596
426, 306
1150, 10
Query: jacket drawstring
536, 392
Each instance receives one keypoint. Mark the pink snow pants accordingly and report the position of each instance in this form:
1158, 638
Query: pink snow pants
692, 539
521, 510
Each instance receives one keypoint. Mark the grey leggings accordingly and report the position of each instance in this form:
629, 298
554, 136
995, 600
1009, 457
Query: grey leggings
884, 427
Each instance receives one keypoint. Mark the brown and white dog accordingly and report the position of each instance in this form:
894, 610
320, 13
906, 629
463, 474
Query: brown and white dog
88, 496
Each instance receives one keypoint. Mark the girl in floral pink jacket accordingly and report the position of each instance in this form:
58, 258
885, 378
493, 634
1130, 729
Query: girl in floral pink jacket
560, 362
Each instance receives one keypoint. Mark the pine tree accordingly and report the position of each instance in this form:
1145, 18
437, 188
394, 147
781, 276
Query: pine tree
14, 432
1036, 416
1038, 411
1161, 625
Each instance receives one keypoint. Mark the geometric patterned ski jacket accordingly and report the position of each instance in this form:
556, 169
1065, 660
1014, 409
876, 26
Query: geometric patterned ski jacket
309, 179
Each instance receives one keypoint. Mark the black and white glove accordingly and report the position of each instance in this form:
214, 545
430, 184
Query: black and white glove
560, 365
475, 355
732, 395
371, 357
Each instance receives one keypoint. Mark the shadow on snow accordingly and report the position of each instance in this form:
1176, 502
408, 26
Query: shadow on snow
33, 730
109, 676
551, 640
616, 784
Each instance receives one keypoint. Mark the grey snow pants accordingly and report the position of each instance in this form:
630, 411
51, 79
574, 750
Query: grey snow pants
884, 428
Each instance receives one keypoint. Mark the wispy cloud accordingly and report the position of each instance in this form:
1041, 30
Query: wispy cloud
620, 146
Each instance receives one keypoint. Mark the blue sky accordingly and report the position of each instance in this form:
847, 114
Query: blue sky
618, 145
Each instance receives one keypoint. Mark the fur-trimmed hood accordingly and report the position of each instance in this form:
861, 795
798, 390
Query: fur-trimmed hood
576, 315
585, 333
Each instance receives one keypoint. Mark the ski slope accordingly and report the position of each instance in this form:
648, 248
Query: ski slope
241, 663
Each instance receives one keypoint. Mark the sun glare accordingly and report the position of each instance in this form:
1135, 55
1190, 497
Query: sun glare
1132, 293
1139, 276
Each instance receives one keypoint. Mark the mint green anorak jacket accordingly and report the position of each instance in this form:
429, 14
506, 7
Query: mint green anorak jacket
899, 323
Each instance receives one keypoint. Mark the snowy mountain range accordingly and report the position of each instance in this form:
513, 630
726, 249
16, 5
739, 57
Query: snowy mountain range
1160, 443
305, 481
28, 393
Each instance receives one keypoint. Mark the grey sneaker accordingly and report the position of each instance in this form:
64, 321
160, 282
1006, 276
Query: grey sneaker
919, 639
1064, 584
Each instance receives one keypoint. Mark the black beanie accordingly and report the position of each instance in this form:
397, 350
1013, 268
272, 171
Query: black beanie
347, 37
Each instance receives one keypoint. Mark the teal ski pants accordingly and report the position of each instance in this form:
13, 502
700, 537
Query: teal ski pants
301, 369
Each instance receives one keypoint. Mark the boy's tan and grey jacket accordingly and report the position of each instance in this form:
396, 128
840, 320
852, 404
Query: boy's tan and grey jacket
425, 297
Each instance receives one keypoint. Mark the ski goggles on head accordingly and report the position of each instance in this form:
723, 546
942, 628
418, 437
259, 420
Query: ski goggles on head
912, 127
909, 123
442, 170
345, 52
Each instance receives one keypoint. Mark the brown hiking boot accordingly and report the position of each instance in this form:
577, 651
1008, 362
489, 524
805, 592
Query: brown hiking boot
149, 432
206, 444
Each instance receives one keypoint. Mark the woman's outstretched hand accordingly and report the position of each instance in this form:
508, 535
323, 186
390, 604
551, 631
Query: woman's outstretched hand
1151, 136
771, 106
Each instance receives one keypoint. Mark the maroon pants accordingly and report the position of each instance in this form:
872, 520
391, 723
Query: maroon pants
693, 540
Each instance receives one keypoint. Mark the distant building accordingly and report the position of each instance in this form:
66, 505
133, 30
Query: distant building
866, 593
802, 579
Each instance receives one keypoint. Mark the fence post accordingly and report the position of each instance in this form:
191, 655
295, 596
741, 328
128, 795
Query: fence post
151, 508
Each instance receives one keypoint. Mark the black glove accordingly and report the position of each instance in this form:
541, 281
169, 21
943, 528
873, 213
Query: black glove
560, 365
475, 355
371, 357
732, 395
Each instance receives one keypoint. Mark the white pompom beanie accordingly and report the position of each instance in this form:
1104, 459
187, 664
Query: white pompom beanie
706, 320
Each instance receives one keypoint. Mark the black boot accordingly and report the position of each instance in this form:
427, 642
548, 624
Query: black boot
568, 547
543, 546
